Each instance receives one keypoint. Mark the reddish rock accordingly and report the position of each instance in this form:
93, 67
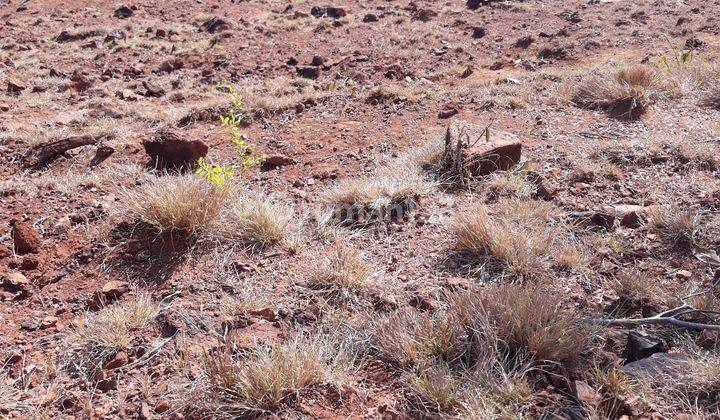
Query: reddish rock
25, 239
168, 150
481, 157
120, 360
276, 161
114, 289
162, 406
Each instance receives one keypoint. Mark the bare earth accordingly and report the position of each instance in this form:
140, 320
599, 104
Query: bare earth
267, 306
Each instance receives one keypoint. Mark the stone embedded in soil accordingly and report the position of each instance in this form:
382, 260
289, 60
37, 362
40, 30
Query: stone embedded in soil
120, 360
276, 161
114, 289
14, 87
641, 345
479, 157
309, 72
25, 239
603, 219
123, 12
15, 282
329, 11
162, 406
215, 24
168, 150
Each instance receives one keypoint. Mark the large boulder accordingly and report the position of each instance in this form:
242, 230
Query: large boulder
168, 150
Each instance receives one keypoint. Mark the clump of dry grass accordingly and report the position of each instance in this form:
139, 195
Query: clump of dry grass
473, 355
178, 204
677, 226
511, 184
112, 329
525, 322
389, 195
691, 384
344, 275
257, 220
625, 93
634, 287
514, 235
268, 377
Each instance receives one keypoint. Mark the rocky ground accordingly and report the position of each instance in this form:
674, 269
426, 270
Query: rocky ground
460, 209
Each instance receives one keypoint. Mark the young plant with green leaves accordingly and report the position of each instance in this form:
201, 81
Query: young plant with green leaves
219, 175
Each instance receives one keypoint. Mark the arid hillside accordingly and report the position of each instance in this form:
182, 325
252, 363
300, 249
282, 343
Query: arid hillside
387, 209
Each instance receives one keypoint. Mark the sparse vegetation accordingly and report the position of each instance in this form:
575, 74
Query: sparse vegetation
514, 236
257, 220
186, 205
623, 93
678, 227
343, 275
113, 329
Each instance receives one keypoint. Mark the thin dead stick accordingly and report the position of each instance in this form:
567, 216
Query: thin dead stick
669, 317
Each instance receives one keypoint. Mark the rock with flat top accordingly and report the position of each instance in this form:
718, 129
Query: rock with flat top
480, 157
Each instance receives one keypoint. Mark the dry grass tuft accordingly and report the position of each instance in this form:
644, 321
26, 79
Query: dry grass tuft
678, 227
626, 93
387, 196
515, 236
473, 356
258, 221
268, 377
178, 204
344, 275
526, 322
112, 329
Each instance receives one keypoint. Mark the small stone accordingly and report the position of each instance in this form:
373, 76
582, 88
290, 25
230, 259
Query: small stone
114, 289
30, 262
25, 239
48, 322
308, 72
641, 345
478, 32
683, 274
370, 18
317, 60
276, 161
603, 219
120, 360
162, 406
14, 87
585, 394
123, 12
144, 412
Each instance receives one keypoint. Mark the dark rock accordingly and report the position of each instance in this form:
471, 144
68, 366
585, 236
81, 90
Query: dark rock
694, 43
309, 72
478, 32
101, 154
14, 87
168, 150
169, 66
329, 11
120, 360
152, 89
113, 289
215, 24
317, 60
641, 345
24, 237
424, 15
80, 81
276, 161
665, 364
370, 18
603, 219
525, 41
292, 61
123, 12
474, 4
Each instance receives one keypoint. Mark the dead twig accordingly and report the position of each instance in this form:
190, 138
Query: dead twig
669, 317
